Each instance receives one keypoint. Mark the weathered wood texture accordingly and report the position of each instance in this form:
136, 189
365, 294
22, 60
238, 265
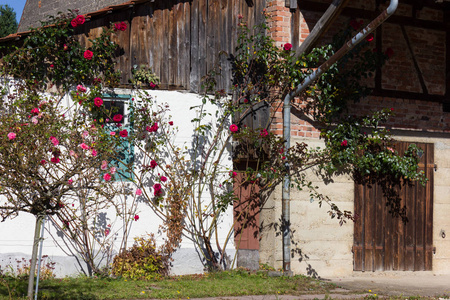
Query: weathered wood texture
405, 28
246, 213
383, 242
181, 40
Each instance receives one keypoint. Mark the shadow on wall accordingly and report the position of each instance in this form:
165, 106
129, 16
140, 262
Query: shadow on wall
296, 251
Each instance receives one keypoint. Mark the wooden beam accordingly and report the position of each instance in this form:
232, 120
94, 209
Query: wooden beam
309, 5
322, 26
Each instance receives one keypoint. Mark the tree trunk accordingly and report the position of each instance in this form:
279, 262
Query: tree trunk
37, 237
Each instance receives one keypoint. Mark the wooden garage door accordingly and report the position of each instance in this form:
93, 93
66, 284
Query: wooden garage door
385, 243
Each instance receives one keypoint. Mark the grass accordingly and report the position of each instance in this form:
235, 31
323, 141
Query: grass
230, 283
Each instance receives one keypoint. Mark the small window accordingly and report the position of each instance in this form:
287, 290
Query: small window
121, 104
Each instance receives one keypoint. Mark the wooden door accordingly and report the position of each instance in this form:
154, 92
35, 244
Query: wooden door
385, 243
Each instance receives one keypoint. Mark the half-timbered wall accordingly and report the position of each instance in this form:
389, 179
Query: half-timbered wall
415, 83
179, 39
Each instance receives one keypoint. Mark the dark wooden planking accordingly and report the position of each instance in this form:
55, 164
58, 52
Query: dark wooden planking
399, 246
148, 40
194, 74
156, 41
419, 220
388, 239
165, 43
368, 229
410, 229
187, 46
429, 208
379, 231
202, 29
358, 228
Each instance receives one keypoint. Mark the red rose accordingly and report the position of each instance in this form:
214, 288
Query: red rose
344, 143
153, 164
369, 38
287, 47
355, 24
152, 85
157, 188
154, 128
389, 52
117, 118
88, 54
234, 128
171, 123
122, 26
136, 217
123, 133
78, 20
163, 178
98, 101
55, 160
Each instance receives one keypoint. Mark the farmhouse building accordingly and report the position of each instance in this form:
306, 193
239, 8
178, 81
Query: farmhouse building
180, 41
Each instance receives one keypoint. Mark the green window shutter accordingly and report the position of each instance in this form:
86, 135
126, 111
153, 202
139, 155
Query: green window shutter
121, 104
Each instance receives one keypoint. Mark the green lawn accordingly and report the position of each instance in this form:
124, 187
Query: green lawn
231, 283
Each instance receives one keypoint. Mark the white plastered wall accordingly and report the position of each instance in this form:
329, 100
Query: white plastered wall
16, 236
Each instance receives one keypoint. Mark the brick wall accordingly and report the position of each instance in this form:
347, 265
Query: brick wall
416, 68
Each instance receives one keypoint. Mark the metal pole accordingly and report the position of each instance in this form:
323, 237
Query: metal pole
285, 204
40, 258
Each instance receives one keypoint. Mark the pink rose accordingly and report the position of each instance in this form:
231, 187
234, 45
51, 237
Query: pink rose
123, 133
35, 111
11, 136
234, 128
83, 146
163, 178
233, 174
264, 133
107, 177
112, 133
94, 152
136, 217
113, 170
287, 47
34, 120
70, 181
81, 88
88, 54
138, 192
98, 101
107, 231
104, 165
55, 160
54, 141
65, 47
152, 85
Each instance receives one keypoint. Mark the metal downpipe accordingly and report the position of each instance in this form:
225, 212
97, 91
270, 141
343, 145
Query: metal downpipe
285, 202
